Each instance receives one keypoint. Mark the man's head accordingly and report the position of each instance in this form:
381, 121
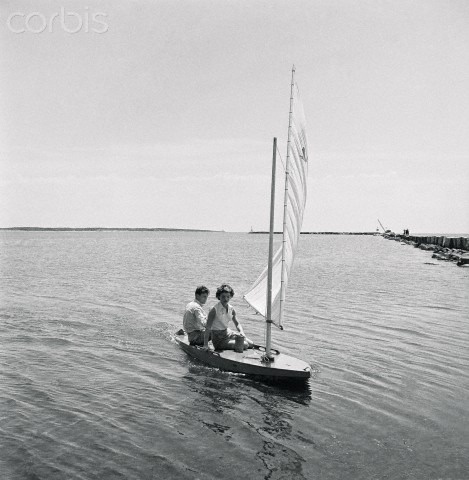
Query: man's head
201, 294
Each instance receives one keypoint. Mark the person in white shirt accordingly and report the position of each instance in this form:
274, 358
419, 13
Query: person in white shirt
217, 322
195, 318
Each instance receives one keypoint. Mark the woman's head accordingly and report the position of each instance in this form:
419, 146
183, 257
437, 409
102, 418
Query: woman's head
225, 288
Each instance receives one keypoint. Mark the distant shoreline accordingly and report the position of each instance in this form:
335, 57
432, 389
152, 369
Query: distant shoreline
157, 229
321, 233
161, 229
99, 229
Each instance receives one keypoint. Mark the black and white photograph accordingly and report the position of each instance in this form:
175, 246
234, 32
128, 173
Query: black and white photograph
234, 239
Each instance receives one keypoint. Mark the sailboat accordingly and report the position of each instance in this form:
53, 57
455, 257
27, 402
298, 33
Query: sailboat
267, 294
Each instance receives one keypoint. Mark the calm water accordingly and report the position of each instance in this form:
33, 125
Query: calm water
93, 387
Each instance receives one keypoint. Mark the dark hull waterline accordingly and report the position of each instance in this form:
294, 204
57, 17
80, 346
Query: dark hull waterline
249, 362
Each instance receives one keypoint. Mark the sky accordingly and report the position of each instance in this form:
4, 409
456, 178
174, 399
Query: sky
155, 113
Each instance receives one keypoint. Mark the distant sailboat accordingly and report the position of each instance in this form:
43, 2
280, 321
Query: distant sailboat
267, 294
386, 231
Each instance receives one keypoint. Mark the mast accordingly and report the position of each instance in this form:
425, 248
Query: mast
268, 317
285, 201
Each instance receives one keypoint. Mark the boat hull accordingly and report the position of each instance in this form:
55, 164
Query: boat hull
249, 362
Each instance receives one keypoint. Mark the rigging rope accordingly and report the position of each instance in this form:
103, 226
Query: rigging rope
281, 159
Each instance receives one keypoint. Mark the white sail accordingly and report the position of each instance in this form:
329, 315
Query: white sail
295, 200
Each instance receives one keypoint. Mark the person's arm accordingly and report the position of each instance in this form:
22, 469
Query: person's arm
237, 324
208, 328
200, 315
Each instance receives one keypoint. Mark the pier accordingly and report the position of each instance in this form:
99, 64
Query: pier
444, 248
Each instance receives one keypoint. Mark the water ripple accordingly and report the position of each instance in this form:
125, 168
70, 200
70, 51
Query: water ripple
93, 387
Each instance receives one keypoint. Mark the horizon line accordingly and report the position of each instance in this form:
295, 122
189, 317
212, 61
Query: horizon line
171, 229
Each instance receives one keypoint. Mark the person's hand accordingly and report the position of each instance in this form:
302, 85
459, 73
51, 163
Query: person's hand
206, 348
